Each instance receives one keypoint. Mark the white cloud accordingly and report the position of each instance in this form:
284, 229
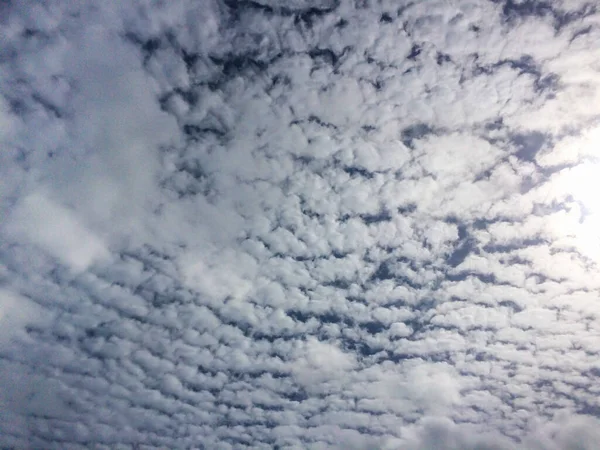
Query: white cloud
312, 225
16, 312
39, 220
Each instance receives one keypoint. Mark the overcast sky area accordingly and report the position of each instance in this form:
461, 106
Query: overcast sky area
333, 224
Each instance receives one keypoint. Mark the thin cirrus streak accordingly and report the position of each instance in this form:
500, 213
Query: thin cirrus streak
308, 224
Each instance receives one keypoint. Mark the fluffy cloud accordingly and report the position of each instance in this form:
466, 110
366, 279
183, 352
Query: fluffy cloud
38, 220
328, 224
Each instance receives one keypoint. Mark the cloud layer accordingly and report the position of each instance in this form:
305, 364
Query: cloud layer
329, 224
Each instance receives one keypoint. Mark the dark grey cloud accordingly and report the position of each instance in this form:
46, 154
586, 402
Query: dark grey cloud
324, 224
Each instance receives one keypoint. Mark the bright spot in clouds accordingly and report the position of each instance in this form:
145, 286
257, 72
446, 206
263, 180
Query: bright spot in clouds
580, 186
583, 183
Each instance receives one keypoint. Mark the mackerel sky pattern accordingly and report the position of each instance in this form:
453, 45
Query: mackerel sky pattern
310, 224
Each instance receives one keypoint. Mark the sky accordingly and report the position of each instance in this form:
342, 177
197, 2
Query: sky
302, 224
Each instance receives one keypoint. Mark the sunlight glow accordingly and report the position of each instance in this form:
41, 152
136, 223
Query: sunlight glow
583, 184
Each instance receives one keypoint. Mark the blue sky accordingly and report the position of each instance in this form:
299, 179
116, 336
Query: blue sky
311, 224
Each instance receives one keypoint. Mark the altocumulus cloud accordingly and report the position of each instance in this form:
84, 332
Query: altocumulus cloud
308, 224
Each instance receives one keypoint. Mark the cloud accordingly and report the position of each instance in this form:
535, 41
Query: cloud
327, 224
15, 313
37, 220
